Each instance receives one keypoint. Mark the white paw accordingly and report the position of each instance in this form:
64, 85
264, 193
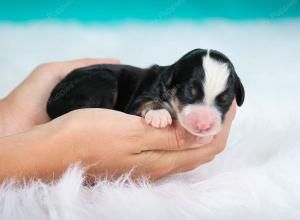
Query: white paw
158, 118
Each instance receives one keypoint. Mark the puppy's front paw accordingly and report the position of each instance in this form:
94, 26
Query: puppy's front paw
158, 118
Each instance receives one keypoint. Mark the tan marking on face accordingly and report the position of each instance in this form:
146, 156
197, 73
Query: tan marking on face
224, 97
194, 92
216, 76
177, 104
115, 98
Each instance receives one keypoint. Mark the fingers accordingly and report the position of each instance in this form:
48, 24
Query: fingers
68, 66
227, 122
91, 61
180, 156
230, 115
162, 163
173, 137
55, 71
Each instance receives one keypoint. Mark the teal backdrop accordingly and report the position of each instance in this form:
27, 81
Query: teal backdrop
117, 10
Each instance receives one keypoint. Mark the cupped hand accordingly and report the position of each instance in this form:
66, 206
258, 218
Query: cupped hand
111, 143
25, 106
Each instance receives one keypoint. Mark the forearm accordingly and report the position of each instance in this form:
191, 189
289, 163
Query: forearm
40, 153
10, 120
3, 118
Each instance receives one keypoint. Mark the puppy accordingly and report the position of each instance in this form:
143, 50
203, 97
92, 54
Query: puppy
197, 90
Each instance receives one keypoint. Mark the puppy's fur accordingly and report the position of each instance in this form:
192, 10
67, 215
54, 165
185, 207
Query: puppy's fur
197, 90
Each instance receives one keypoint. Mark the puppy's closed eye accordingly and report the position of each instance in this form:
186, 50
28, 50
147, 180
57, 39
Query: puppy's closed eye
194, 92
223, 97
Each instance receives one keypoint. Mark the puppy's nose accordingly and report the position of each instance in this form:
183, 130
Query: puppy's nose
203, 127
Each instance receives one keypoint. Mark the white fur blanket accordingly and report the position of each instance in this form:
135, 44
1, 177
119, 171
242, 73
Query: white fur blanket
257, 176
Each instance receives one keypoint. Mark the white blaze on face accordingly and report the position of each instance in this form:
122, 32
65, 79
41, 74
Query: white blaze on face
216, 75
204, 119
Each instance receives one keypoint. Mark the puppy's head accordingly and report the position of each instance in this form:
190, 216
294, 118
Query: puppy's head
203, 84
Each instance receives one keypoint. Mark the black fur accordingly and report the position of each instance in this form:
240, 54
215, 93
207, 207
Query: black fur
127, 88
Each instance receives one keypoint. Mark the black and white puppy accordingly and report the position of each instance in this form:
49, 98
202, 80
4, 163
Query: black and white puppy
197, 90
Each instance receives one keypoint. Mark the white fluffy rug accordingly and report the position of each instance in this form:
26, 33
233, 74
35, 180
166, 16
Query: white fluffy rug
256, 177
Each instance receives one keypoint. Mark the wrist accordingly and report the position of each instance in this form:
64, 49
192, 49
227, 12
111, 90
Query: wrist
66, 140
43, 153
59, 149
6, 118
2, 118
12, 119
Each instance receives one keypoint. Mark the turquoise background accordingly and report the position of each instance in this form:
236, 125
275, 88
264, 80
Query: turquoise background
117, 10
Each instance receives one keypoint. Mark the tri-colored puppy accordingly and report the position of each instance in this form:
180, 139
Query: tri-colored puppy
197, 90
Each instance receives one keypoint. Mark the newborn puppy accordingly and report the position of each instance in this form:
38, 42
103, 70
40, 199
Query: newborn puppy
197, 90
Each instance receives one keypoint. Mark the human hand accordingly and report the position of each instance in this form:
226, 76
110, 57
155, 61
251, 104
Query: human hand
111, 142
108, 143
25, 106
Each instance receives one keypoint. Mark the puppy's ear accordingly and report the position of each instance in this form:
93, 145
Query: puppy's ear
167, 77
193, 52
239, 90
